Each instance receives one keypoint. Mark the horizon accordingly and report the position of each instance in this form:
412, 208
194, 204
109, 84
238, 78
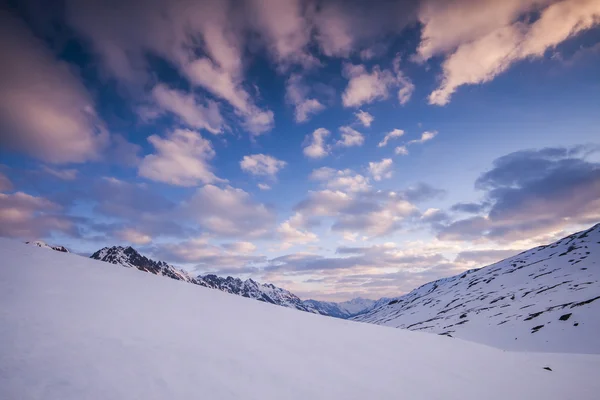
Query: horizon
341, 301
334, 149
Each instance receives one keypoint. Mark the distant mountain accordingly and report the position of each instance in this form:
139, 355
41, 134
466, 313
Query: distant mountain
346, 309
128, 257
544, 299
44, 245
264, 292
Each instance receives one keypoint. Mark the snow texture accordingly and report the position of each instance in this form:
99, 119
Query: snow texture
544, 299
74, 328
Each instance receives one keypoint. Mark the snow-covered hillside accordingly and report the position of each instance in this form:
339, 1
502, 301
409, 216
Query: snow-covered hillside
45, 245
544, 299
74, 328
128, 257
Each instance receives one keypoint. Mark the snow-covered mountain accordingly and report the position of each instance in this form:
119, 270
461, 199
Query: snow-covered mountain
346, 309
544, 299
45, 245
74, 329
130, 258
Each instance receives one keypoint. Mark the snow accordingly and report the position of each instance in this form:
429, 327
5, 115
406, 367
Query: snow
544, 299
74, 328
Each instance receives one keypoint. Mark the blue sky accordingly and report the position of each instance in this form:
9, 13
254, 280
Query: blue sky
249, 138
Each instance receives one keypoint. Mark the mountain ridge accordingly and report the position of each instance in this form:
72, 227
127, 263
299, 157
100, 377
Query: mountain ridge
543, 299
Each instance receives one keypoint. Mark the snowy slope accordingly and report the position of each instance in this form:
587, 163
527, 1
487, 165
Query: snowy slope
128, 257
544, 299
45, 245
73, 328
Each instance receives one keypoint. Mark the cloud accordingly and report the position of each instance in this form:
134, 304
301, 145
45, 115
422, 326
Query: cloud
66, 128
64, 174
370, 213
135, 210
264, 186
229, 212
290, 233
401, 151
350, 137
131, 235
240, 247
5, 183
180, 159
498, 37
532, 193
285, 31
422, 192
395, 133
365, 118
203, 40
346, 180
207, 256
297, 95
29, 217
382, 169
469, 208
316, 146
187, 108
334, 30
425, 137
366, 87
262, 165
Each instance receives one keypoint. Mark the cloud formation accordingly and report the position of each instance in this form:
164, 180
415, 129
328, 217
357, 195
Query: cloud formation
179, 159
66, 128
393, 134
350, 137
497, 36
261, 164
315, 144
229, 212
382, 169
366, 87
364, 118
531, 193
30, 217
188, 109
297, 94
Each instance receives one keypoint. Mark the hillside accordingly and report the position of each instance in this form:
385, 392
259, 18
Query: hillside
77, 329
544, 299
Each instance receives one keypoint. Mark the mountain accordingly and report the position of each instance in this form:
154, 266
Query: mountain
264, 292
346, 309
44, 245
544, 299
128, 257
75, 329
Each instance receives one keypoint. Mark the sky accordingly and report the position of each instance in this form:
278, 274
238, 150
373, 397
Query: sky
334, 148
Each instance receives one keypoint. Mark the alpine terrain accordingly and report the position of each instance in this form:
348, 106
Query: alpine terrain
130, 258
544, 299
73, 328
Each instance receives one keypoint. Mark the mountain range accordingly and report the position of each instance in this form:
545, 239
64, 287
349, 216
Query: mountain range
77, 328
545, 299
